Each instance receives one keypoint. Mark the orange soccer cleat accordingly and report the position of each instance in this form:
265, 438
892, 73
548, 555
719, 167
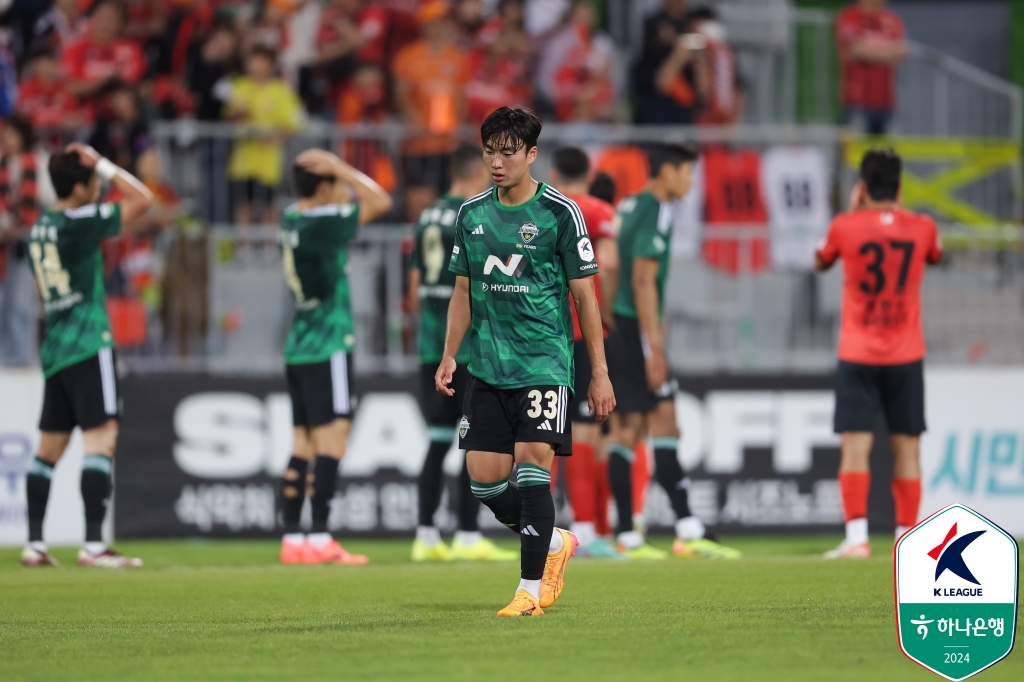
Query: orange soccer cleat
331, 553
554, 569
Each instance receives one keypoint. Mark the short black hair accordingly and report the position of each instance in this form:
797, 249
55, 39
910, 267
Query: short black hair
113, 3
880, 170
306, 183
263, 51
672, 154
516, 127
465, 160
603, 187
41, 52
571, 163
66, 171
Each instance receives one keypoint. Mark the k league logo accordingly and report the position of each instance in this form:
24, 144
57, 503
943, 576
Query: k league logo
956, 592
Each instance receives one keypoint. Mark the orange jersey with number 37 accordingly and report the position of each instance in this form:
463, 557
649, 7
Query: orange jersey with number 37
884, 256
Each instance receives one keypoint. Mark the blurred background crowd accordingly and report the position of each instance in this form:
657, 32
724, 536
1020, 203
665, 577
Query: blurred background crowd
207, 101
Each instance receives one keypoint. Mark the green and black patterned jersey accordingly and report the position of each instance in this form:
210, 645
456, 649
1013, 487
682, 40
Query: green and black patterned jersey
65, 250
519, 260
645, 231
314, 253
435, 238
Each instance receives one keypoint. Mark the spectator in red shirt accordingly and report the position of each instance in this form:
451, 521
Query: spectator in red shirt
576, 69
101, 59
61, 26
44, 97
499, 72
870, 40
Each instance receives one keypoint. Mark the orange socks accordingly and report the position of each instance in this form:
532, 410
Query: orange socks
906, 492
854, 486
580, 480
641, 476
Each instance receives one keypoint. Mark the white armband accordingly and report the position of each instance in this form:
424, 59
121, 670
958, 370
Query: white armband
106, 169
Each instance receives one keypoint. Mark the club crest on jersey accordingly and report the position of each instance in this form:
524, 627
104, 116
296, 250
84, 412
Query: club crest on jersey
528, 231
463, 427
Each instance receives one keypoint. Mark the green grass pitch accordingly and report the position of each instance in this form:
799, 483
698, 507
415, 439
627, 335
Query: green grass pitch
227, 611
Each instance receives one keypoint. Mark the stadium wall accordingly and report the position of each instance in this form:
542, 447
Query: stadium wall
200, 455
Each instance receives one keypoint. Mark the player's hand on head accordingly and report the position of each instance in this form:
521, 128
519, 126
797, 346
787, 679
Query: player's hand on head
89, 156
601, 397
657, 371
317, 161
443, 376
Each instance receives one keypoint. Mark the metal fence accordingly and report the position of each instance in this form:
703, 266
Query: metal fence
973, 307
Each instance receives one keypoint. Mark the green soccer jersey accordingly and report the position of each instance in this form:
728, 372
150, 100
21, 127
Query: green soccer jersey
519, 260
314, 253
645, 231
66, 258
435, 238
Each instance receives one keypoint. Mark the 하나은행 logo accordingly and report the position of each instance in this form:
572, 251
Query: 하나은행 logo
956, 577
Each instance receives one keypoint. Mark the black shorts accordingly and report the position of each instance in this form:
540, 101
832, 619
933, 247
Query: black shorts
494, 419
321, 391
439, 409
898, 390
580, 410
627, 368
428, 171
252, 192
84, 395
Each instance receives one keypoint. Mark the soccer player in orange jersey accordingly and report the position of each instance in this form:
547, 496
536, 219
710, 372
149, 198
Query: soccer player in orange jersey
585, 472
881, 341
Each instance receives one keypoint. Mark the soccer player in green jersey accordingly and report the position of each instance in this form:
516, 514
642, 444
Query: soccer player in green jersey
637, 362
430, 288
520, 248
77, 351
314, 238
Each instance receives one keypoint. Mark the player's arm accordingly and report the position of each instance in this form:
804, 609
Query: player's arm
600, 396
607, 250
459, 317
136, 196
412, 294
645, 293
374, 201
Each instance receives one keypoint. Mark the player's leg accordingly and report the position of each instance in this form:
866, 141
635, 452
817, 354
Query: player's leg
293, 490
582, 478
903, 402
627, 431
857, 404
292, 493
691, 540
581, 470
906, 480
325, 390
37, 493
91, 386
428, 545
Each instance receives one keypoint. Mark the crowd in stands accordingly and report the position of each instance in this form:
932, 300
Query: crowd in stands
113, 66
103, 71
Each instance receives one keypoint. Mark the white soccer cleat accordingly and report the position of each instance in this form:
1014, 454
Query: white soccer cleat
108, 558
849, 550
33, 557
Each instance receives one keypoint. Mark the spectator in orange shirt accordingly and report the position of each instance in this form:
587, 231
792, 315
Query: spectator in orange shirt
101, 58
364, 100
430, 75
44, 97
871, 42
